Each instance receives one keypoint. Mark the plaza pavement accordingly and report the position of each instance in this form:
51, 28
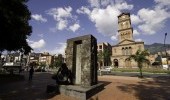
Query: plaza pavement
27, 90
116, 88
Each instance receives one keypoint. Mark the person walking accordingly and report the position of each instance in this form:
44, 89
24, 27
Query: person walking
31, 72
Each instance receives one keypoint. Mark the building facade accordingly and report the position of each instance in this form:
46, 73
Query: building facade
34, 58
126, 46
46, 58
104, 49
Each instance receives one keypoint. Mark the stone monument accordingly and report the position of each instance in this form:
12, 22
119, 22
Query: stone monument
81, 60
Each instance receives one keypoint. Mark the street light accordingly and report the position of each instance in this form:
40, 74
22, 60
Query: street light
165, 51
164, 40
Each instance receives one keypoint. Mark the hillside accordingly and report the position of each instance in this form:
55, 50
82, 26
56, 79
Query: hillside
157, 47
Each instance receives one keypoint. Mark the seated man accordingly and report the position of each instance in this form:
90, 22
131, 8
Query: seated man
63, 75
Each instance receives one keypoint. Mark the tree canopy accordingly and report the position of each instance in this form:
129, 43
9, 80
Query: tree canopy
58, 60
104, 56
14, 26
100, 56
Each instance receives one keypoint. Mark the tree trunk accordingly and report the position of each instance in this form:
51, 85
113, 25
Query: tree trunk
141, 75
140, 69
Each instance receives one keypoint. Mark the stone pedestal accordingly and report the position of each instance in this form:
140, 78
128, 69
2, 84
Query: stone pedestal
79, 92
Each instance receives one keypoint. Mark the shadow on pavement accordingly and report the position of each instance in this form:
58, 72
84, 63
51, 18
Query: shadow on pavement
28, 90
104, 82
156, 89
10, 78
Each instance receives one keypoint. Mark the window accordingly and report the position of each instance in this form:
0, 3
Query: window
126, 51
123, 51
130, 50
115, 50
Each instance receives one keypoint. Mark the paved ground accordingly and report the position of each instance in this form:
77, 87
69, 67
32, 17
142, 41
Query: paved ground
133, 88
116, 88
136, 74
27, 90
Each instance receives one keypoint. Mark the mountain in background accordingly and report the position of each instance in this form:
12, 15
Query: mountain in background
157, 47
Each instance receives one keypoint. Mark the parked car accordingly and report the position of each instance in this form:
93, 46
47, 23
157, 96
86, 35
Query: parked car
106, 69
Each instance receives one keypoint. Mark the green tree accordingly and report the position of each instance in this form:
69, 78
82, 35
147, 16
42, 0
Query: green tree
106, 56
58, 60
140, 58
14, 26
42, 65
100, 57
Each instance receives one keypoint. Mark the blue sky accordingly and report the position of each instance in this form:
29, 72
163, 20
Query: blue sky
55, 21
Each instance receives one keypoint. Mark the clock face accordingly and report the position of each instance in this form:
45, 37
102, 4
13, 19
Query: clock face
123, 24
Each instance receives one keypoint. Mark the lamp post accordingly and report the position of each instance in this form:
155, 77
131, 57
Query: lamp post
164, 44
165, 39
165, 51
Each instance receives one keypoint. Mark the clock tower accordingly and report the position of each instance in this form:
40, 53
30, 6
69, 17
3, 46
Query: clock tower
125, 29
126, 45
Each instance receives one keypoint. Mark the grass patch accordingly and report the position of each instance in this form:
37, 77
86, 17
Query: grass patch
148, 70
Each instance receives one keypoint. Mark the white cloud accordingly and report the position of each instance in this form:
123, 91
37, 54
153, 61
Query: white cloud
36, 44
138, 40
114, 38
59, 49
74, 27
149, 20
38, 17
105, 19
106, 2
153, 20
120, 4
62, 24
60, 13
135, 32
162, 3
124, 5
63, 17
94, 3
83, 10
135, 19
